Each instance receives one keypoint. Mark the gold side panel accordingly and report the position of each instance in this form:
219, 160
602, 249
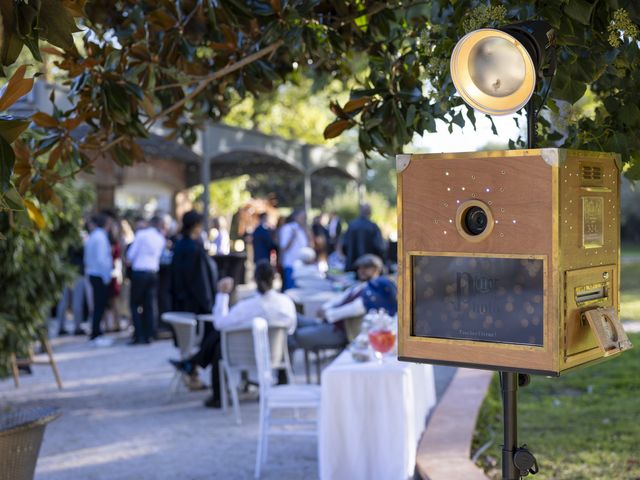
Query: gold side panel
589, 246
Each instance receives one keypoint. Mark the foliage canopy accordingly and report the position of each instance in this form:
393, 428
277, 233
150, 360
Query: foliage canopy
176, 64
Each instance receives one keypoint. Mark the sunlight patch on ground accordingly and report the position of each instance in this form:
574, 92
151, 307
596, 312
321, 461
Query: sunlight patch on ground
84, 457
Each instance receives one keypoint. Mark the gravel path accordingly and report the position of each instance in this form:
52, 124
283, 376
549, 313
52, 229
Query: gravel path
120, 421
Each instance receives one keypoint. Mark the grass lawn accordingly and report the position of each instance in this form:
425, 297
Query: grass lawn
630, 292
630, 249
582, 426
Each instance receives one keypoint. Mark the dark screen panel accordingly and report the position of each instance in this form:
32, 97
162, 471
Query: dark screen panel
498, 300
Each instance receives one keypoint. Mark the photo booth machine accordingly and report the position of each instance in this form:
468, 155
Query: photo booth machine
509, 260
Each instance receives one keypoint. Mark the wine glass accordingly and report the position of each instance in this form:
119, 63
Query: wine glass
382, 341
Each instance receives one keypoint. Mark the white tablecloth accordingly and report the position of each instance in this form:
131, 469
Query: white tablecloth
310, 300
371, 418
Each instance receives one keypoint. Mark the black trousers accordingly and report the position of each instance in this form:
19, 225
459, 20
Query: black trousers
100, 297
209, 354
144, 293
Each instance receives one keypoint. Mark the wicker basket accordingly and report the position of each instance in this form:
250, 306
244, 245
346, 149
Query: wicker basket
21, 434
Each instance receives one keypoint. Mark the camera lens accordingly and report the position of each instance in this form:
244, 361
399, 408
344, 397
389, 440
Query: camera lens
475, 221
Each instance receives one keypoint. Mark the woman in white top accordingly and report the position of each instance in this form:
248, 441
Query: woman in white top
277, 308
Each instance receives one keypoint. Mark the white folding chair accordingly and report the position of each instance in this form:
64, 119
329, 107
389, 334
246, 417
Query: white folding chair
238, 356
272, 397
184, 326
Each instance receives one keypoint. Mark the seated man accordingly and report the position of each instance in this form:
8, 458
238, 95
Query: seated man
275, 307
372, 292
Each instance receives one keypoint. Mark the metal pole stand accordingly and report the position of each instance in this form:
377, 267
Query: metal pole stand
517, 462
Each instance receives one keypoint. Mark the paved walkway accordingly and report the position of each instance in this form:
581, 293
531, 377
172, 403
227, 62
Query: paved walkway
120, 421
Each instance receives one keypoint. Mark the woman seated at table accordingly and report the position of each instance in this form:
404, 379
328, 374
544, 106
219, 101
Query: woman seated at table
275, 307
372, 292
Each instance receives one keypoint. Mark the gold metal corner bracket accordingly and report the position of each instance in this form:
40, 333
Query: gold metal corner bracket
402, 161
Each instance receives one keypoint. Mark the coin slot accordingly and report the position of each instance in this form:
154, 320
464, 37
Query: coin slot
591, 294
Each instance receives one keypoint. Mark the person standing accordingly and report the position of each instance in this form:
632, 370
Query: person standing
334, 228
222, 241
194, 275
98, 264
144, 258
362, 237
194, 278
73, 295
262, 239
293, 237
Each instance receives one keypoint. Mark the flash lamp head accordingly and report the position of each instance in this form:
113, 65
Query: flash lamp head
495, 70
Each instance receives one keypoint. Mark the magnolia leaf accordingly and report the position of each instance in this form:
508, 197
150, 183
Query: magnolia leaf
76, 7
16, 88
122, 156
10, 42
44, 120
34, 214
56, 25
48, 49
336, 128
354, 105
42, 191
11, 128
147, 106
13, 199
72, 123
7, 160
27, 15
54, 156
162, 19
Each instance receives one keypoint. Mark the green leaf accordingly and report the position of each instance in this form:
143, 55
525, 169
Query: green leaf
566, 88
471, 115
122, 156
13, 199
629, 115
7, 161
56, 25
411, 115
579, 10
633, 171
458, 119
11, 128
494, 130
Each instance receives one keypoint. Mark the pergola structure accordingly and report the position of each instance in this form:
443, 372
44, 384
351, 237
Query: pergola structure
229, 151
221, 152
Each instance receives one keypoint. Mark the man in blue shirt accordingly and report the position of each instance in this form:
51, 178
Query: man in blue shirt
98, 264
263, 242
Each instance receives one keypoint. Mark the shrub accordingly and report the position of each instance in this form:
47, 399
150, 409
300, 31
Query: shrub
34, 267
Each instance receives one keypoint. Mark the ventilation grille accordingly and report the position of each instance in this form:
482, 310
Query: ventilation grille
591, 174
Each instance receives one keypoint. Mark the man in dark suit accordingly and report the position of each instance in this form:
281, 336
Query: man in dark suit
263, 242
362, 237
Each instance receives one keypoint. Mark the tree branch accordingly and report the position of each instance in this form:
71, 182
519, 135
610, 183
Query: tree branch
215, 76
